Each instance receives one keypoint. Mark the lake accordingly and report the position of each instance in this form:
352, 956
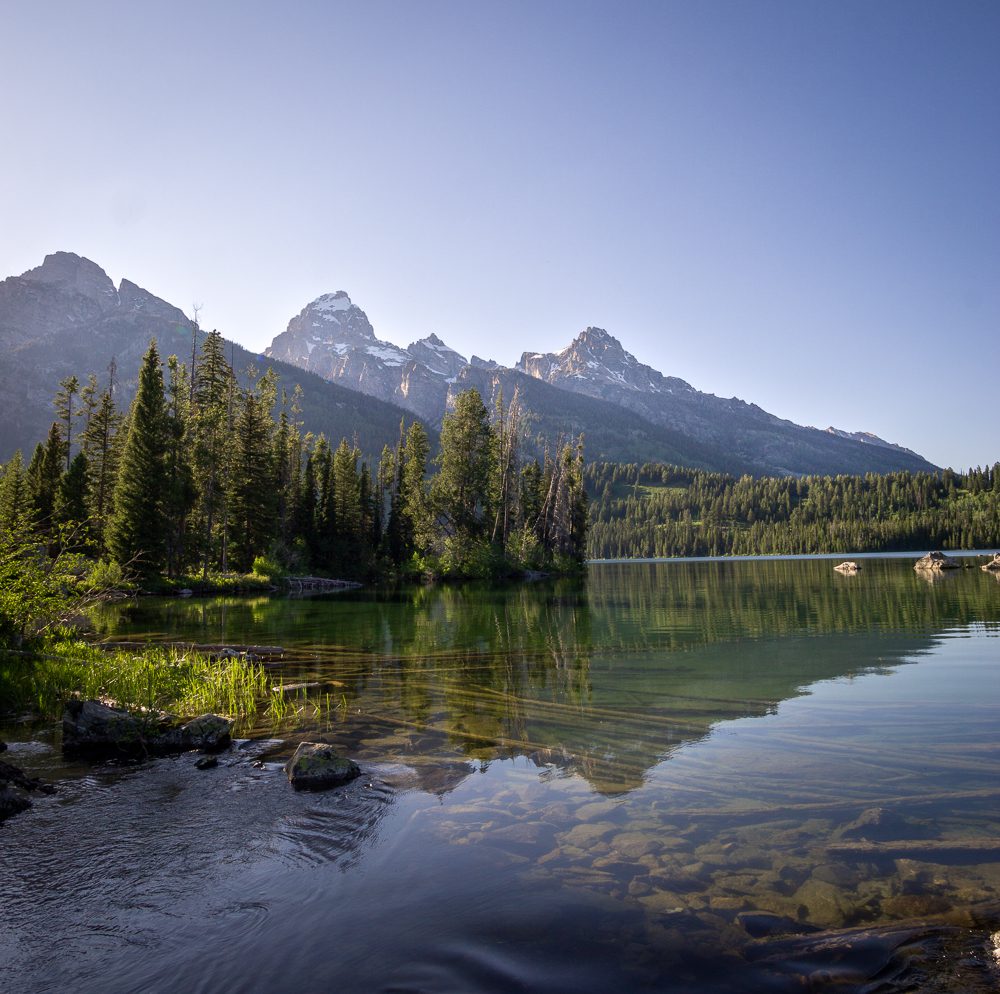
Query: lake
675, 776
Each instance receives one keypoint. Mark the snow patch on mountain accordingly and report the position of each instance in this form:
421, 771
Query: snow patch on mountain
331, 303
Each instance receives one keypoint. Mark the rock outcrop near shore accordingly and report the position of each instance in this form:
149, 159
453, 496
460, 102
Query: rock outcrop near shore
936, 560
15, 788
92, 726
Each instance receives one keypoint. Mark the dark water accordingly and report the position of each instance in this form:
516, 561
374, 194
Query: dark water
568, 786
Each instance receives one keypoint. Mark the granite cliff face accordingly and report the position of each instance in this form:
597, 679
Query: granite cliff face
334, 338
63, 318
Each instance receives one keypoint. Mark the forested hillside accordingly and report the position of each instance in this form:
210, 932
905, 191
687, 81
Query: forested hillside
200, 476
660, 510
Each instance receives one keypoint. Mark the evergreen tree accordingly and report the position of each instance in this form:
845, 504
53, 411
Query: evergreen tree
460, 492
253, 495
68, 389
417, 528
304, 518
213, 385
348, 547
179, 491
137, 532
44, 473
16, 510
101, 444
71, 502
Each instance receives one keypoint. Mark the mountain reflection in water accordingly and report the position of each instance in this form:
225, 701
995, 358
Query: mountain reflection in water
661, 778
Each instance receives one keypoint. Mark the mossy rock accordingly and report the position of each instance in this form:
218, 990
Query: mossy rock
316, 766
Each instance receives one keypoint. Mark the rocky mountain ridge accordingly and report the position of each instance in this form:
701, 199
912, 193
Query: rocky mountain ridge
340, 344
66, 317
333, 337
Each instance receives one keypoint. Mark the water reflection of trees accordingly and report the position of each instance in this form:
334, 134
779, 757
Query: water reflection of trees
604, 677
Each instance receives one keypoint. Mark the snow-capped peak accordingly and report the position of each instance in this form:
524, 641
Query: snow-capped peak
438, 358
330, 303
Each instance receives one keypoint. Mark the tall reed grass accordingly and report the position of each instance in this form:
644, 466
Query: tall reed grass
163, 678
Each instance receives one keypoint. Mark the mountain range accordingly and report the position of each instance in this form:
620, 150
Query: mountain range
67, 317
627, 410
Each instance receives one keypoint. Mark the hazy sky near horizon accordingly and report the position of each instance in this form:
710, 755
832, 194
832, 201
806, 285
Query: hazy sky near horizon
791, 202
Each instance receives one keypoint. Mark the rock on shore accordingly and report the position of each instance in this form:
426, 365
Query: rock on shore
91, 726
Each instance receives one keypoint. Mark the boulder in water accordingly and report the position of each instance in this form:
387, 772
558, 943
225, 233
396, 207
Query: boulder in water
317, 766
14, 787
936, 560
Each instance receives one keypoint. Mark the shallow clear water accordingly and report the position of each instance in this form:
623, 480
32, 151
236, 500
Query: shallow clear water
568, 786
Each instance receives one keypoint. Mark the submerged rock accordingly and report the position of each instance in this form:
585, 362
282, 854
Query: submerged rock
15, 785
881, 825
91, 726
936, 560
316, 766
764, 924
12, 801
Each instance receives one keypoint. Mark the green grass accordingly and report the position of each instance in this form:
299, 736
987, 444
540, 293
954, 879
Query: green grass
158, 678
214, 583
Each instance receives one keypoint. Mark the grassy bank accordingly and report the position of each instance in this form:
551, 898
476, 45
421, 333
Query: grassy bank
182, 682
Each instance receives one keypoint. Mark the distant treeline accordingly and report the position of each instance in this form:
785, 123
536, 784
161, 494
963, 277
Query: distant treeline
660, 510
205, 475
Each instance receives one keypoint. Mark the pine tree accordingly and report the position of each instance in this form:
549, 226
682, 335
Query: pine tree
415, 506
253, 494
508, 429
211, 414
460, 491
44, 473
101, 445
68, 389
71, 502
137, 532
179, 492
304, 517
348, 547
16, 510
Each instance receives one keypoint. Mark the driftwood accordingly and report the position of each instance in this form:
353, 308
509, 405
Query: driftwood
287, 688
300, 583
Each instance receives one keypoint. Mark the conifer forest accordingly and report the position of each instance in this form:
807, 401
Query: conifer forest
204, 476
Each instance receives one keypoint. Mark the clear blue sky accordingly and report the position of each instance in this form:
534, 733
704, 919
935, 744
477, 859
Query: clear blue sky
795, 203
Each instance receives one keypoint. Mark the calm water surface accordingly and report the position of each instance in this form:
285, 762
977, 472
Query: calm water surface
568, 786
